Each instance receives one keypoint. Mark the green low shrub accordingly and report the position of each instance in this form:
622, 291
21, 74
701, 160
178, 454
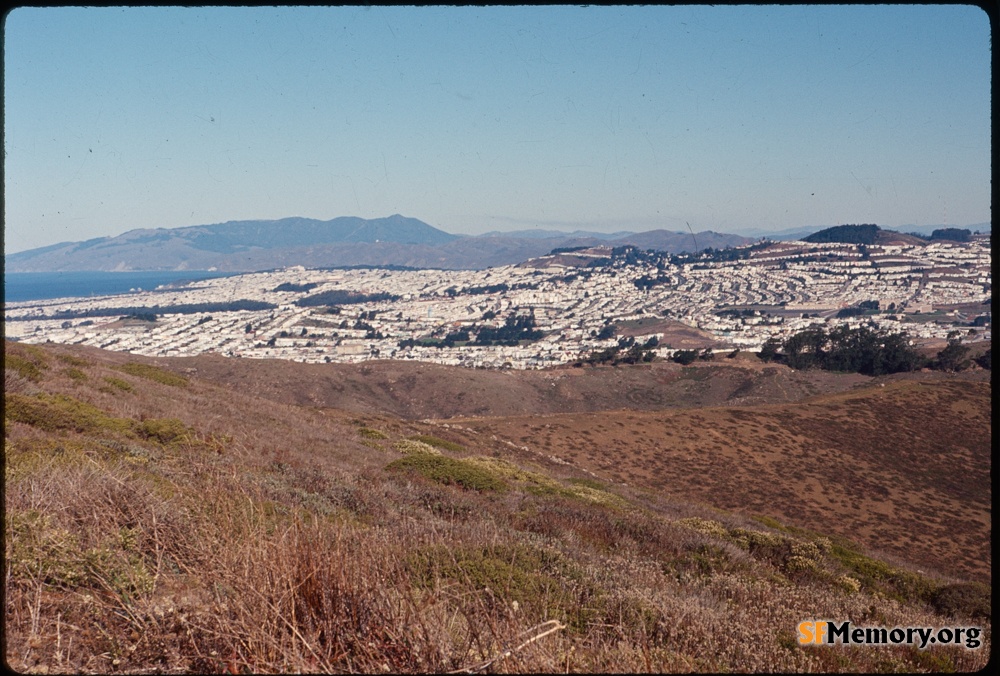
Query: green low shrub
52, 412
71, 360
118, 383
965, 598
770, 522
848, 584
706, 526
165, 430
437, 442
543, 582
589, 483
28, 361
866, 569
408, 446
37, 548
450, 471
25, 368
153, 373
706, 559
369, 433
895, 583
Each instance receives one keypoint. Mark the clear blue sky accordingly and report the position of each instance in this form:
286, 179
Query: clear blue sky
498, 118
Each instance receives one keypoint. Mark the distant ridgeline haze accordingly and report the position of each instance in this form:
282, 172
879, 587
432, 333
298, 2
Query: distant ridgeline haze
394, 242
247, 246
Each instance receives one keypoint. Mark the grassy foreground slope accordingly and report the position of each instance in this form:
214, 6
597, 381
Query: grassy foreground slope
155, 522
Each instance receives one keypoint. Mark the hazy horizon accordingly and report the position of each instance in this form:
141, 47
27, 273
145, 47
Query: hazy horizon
558, 227
736, 119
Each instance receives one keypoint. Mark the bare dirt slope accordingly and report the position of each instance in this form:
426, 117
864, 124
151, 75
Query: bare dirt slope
903, 468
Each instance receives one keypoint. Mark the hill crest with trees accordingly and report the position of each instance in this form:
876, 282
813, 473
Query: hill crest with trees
869, 233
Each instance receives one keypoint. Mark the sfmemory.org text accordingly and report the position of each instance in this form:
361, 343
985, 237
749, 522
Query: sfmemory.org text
827, 632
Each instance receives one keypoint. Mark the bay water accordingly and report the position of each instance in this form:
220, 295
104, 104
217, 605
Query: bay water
27, 286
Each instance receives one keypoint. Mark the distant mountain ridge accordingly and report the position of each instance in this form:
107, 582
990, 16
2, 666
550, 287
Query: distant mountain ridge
234, 236
245, 246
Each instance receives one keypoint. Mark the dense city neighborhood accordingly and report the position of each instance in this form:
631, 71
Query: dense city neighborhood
547, 311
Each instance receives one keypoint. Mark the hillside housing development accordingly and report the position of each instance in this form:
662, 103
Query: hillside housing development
570, 304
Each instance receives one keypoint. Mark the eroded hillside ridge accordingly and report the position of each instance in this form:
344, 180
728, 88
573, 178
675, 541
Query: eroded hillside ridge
156, 521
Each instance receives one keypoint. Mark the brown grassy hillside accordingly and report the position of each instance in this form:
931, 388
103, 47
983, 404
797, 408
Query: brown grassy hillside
156, 522
417, 391
903, 467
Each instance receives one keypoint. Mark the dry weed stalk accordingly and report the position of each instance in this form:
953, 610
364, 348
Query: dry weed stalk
552, 627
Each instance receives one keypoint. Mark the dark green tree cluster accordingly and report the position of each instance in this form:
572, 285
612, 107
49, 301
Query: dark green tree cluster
622, 256
622, 353
567, 249
343, 297
954, 357
458, 336
985, 360
646, 282
873, 352
426, 342
727, 254
865, 307
685, 357
606, 332
952, 234
183, 309
298, 288
362, 325
141, 316
502, 287
449, 340
847, 234
570, 277
515, 329
736, 313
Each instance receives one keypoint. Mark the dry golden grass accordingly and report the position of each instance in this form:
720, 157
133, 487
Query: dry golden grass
255, 537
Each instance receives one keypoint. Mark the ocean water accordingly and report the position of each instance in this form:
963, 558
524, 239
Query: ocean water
24, 286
